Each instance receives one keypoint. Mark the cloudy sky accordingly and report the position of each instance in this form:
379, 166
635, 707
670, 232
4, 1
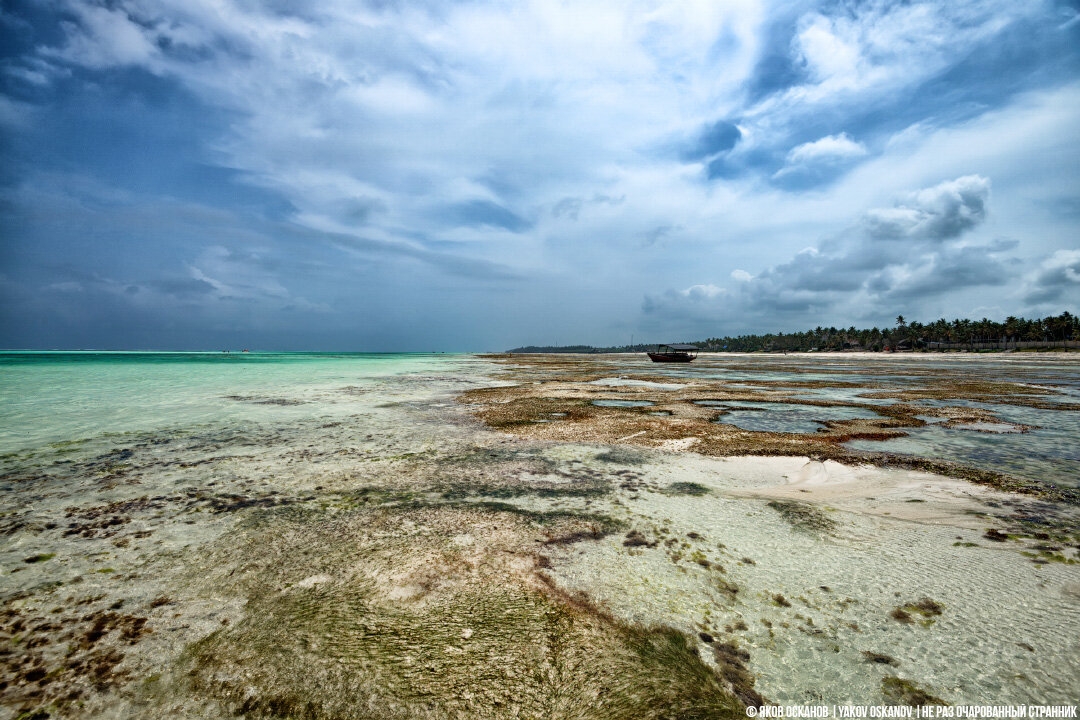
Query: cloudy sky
479, 175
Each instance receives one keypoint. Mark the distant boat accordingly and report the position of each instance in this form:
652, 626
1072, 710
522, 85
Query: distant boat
674, 353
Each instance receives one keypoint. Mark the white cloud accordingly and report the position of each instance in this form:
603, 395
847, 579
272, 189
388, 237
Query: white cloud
375, 122
863, 268
832, 148
937, 213
105, 37
700, 292
831, 50
864, 55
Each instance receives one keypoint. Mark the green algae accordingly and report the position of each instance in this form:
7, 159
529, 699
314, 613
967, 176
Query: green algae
926, 609
592, 488
1048, 556
416, 625
687, 488
803, 516
622, 456
899, 691
878, 658
596, 525
955, 389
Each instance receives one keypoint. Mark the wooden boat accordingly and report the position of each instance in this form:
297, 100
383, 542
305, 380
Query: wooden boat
674, 353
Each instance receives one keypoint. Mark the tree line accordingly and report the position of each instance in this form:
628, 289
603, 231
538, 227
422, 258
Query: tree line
903, 336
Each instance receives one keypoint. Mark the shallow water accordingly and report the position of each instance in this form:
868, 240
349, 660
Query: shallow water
190, 450
61, 397
1046, 454
855, 395
787, 417
995, 600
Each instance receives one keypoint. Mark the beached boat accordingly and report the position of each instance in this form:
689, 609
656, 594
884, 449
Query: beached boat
674, 353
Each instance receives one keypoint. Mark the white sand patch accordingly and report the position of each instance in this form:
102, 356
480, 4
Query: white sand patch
313, 580
405, 592
678, 444
813, 473
868, 490
624, 382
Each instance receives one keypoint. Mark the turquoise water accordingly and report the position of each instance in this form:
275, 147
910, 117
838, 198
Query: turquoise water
49, 397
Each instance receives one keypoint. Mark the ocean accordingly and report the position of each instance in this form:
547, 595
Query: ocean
51, 397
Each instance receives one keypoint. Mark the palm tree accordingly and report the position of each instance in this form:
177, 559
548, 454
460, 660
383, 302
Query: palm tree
900, 320
1012, 327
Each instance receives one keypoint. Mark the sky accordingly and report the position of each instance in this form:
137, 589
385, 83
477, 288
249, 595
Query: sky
469, 176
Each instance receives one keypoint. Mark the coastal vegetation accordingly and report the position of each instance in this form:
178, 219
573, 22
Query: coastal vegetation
940, 334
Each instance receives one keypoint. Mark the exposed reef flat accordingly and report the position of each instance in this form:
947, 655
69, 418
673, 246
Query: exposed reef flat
700, 412
836, 541
370, 548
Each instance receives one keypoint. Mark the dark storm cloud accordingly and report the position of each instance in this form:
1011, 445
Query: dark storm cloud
658, 234
945, 272
570, 207
819, 272
777, 67
1057, 278
896, 251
